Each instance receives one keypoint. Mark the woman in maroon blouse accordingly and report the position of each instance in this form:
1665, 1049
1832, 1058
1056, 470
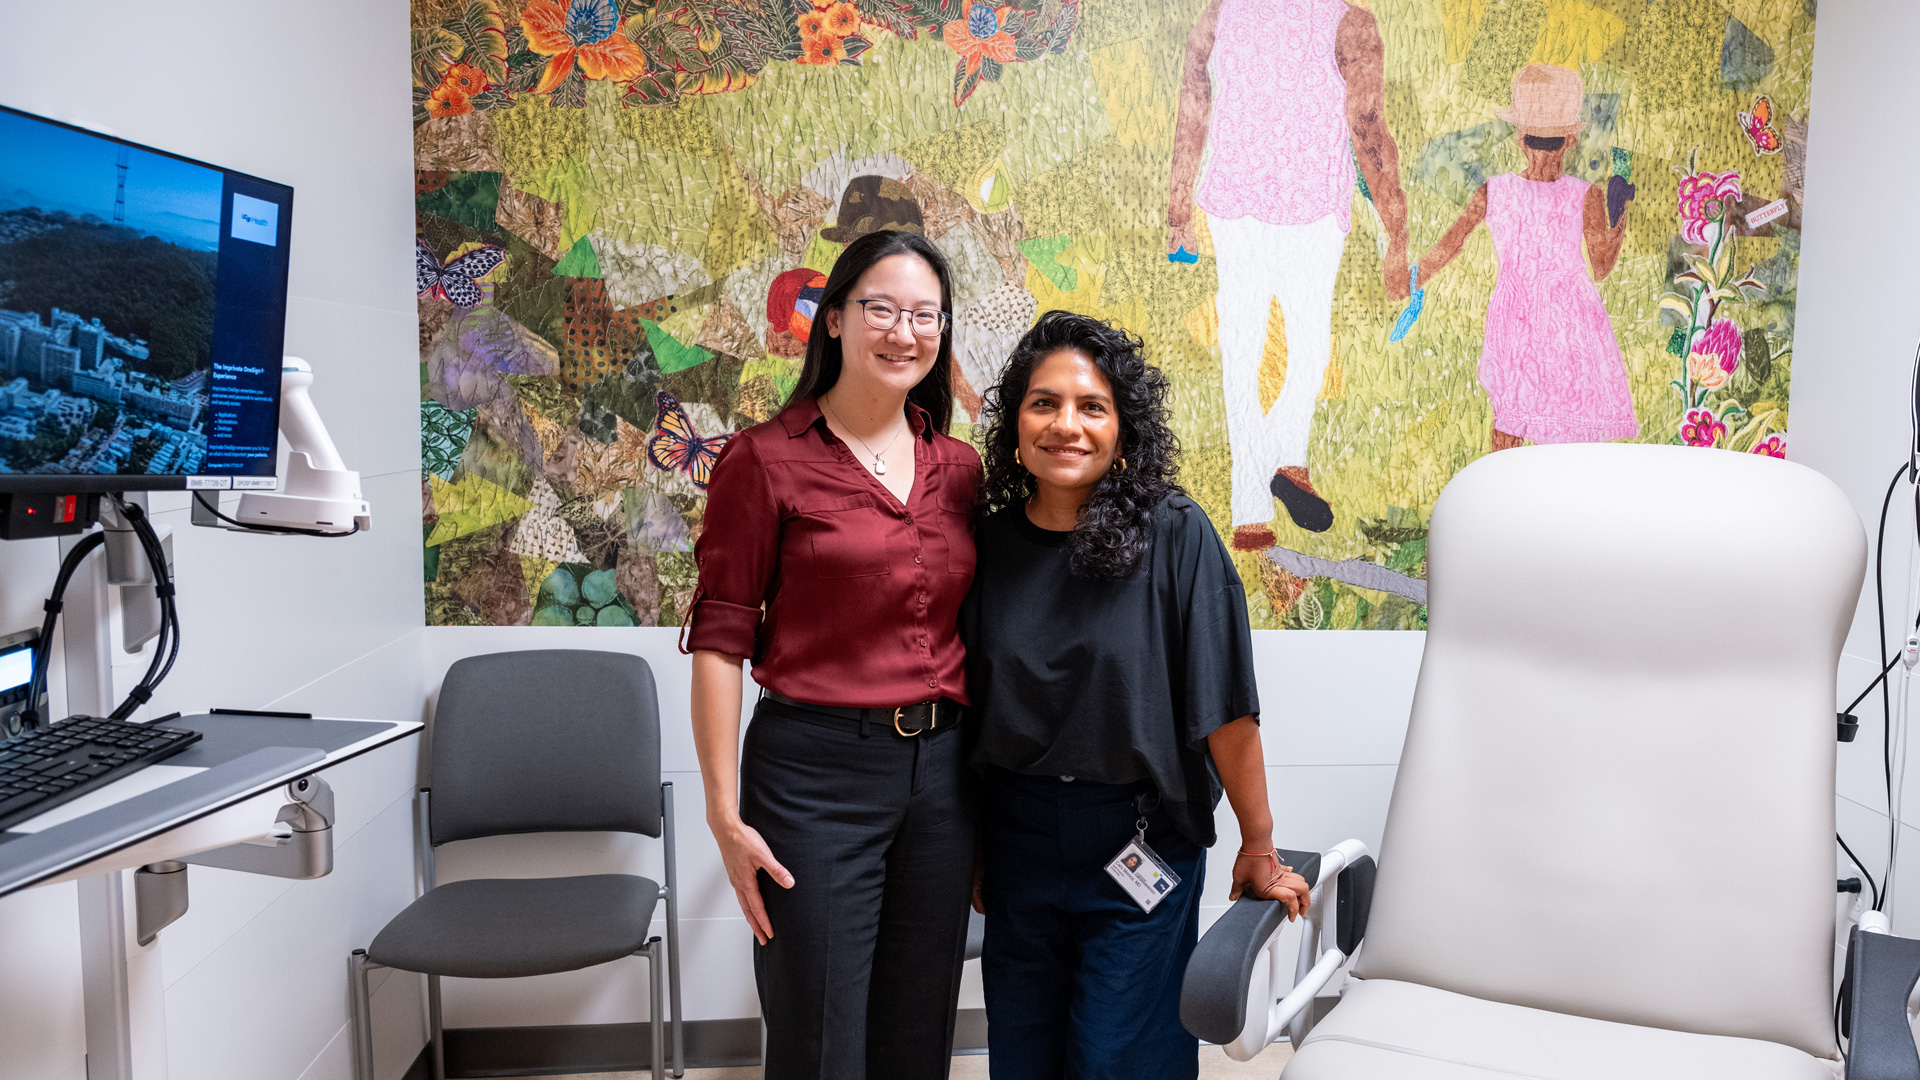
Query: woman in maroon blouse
835, 553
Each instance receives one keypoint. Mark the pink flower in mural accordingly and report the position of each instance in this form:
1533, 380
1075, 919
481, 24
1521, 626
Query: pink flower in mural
1702, 428
1715, 354
977, 35
1772, 446
583, 31
1704, 200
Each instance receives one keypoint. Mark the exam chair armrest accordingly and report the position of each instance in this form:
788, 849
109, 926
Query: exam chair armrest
1881, 973
1213, 996
1228, 995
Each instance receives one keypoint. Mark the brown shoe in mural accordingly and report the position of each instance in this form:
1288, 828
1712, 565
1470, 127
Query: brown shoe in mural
1304, 505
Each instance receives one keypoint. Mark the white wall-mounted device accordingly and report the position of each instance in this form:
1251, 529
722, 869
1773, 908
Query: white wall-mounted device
318, 494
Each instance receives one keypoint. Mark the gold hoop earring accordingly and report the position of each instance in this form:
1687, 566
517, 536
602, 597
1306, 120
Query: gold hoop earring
1123, 464
1016, 458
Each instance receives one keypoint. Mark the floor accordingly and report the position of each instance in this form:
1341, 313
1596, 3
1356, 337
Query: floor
1214, 1065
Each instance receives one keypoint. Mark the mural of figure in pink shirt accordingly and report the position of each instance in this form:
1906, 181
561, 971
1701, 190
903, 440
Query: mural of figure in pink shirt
1281, 98
1550, 362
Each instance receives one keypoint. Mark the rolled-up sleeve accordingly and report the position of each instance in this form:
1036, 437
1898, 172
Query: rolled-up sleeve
737, 554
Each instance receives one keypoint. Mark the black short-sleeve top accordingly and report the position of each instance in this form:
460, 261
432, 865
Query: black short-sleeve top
1110, 681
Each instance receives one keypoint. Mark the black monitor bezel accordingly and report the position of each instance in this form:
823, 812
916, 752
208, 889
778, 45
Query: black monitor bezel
90, 483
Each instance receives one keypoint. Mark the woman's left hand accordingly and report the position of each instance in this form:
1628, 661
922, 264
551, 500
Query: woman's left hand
1260, 876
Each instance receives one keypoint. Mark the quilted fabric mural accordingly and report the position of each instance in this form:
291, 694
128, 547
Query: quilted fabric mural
1369, 240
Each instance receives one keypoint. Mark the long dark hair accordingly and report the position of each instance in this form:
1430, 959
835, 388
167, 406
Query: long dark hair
822, 369
1116, 524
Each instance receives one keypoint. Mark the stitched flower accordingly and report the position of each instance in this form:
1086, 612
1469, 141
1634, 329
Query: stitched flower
1716, 353
977, 35
1773, 446
824, 49
447, 100
842, 19
813, 24
1704, 199
466, 78
1702, 428
584, 31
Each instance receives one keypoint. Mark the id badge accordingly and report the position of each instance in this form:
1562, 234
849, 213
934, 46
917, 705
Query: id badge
1140, 872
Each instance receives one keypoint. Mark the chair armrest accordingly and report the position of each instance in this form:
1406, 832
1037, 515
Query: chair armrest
1213, 996
1881, 973
1228, 995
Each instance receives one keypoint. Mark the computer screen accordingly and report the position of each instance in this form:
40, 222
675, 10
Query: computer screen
143, 302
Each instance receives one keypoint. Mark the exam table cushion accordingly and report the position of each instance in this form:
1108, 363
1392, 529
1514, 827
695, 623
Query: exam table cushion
509, 928
1388, 1030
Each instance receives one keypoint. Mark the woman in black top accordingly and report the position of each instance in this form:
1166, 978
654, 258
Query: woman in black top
1111, 668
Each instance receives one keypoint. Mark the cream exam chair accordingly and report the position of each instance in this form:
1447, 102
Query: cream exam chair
1610, 849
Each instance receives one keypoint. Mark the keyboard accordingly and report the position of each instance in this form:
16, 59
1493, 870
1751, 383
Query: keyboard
42, 769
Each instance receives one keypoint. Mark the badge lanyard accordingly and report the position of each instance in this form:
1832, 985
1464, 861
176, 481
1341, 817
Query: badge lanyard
1141, 873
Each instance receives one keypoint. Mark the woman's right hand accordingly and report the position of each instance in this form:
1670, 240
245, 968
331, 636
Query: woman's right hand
745, 855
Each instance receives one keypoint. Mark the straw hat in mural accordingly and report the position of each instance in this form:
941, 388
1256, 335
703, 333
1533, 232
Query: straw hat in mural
1547, 101
873, 203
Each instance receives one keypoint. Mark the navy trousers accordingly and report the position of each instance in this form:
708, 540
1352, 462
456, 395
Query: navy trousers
1080, 983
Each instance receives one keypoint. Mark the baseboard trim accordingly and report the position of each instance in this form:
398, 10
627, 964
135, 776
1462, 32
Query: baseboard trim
476, 1053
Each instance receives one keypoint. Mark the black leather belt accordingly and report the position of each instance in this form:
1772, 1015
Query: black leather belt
923, 716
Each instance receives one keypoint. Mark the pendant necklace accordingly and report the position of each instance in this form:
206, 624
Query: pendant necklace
879, 465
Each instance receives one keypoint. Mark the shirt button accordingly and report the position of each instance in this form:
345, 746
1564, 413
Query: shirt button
917, 559
933, 683
923, 642
923, 599
909, 519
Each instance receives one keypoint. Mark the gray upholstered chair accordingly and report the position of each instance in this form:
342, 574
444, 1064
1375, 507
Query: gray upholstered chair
560, 740
1610, 848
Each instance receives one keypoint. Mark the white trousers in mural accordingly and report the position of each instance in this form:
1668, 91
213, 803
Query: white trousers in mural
1259, 263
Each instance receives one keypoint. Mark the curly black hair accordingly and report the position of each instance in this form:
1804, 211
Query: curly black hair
1116, 524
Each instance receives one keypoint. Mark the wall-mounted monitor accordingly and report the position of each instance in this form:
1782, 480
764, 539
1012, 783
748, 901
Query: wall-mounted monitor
143, 300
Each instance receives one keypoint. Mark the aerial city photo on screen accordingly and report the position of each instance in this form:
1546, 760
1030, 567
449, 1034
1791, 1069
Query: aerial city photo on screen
108, 257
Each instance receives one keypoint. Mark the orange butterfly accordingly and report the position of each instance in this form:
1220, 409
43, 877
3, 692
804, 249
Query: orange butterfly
675, 445
1758, 125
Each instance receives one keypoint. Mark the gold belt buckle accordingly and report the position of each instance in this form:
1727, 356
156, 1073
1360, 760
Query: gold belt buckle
931, 706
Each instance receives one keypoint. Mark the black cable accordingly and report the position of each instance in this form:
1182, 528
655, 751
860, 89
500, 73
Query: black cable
1872, 885
167, 647
1886, 664
214, 509
42, 653
1880, 638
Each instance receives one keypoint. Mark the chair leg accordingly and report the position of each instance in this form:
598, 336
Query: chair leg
360, 1015
657, 1007
673, 993
435, 1032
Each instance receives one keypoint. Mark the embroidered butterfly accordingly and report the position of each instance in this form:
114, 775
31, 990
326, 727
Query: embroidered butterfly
458, 280
675, 445
1758, 125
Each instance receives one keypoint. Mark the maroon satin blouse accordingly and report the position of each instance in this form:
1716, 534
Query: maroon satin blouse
811, 567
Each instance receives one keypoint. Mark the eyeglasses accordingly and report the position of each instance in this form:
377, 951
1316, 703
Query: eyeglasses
926, 322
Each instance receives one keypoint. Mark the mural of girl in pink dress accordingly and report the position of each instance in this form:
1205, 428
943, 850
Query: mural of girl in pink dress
1550, 362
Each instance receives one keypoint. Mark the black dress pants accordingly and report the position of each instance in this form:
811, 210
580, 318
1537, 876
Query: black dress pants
863, 973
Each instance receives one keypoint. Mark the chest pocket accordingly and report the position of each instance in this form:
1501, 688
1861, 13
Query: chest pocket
845, 537
956, 523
